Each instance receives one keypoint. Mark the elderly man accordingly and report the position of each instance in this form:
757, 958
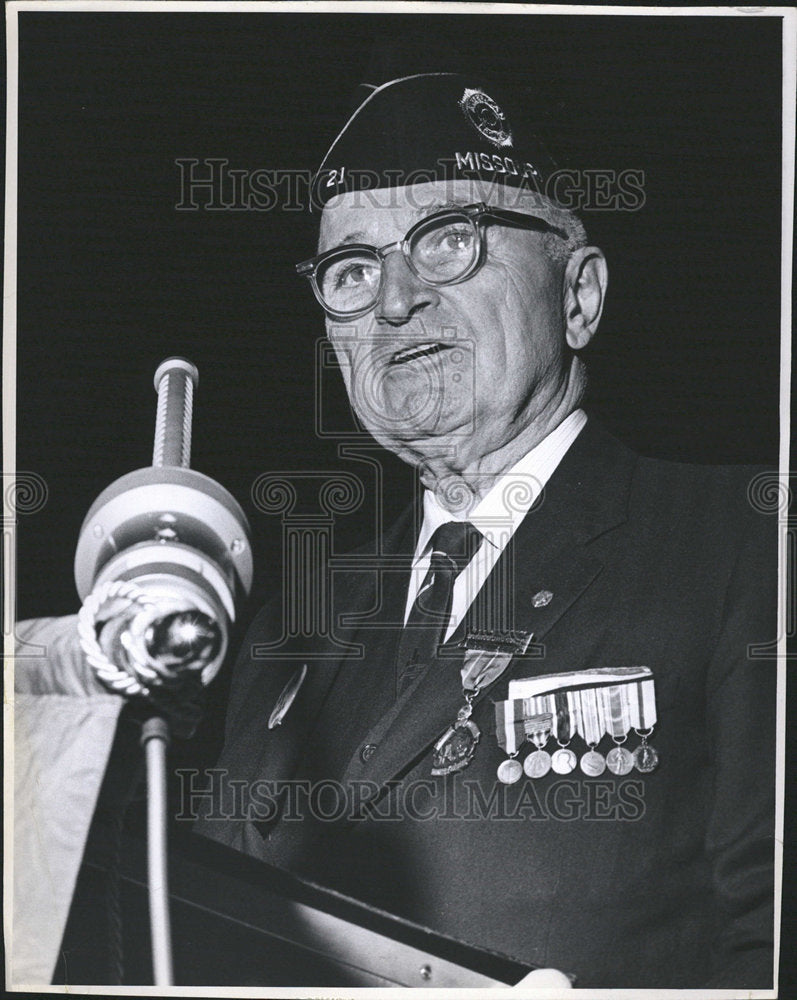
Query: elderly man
551, 736
540, 721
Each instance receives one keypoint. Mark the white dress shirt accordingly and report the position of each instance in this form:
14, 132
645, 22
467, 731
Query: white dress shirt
497, 516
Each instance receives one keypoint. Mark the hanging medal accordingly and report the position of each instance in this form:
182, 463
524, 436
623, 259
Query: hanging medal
618, 714
643, 720
538, 729
456, 747
592, 763
563, 760
487, 655
509, 770
646, 759
619, 700
510, 732
619, 760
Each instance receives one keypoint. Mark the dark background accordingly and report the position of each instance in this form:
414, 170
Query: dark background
112, 278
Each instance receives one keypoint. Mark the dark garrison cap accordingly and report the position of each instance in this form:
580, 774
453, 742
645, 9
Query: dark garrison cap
434, 126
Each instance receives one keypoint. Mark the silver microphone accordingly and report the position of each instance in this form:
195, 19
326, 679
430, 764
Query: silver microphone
164, 554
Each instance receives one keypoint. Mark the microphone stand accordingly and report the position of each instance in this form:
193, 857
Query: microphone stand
172, 447
162, 556
155, 740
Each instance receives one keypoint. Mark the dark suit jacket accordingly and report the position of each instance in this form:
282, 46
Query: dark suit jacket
648, 880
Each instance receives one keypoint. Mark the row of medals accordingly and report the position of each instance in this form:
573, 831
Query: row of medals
563, 761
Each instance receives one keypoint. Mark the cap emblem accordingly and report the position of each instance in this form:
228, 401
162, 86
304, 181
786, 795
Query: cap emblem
486, 116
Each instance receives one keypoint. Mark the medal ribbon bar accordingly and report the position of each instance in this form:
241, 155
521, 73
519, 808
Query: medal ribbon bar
487, 655
530, 686
591, 712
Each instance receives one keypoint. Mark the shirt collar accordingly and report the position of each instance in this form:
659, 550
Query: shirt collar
500, 511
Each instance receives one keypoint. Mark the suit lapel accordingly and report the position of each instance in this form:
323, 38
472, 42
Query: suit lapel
257, 750
586, 497
348, 686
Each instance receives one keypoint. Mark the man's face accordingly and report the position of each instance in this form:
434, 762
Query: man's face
496, 342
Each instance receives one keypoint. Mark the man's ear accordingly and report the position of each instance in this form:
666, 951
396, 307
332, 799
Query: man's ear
585, 280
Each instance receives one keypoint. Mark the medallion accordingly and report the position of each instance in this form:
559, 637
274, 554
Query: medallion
509, 771
537, 764
593, 763
563, 761
455, 748
619, 760
486, 656
645, 758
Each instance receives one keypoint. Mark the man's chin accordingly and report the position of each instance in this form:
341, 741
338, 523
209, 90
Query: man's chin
410, 408
417, 441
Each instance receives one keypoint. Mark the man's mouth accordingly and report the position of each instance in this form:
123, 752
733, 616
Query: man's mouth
407, 354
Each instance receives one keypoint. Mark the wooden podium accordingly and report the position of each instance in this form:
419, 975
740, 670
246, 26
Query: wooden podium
239, 922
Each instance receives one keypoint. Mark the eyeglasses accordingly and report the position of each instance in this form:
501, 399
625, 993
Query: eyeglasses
442, 249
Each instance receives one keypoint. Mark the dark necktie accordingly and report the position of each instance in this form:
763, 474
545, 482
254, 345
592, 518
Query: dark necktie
453, 545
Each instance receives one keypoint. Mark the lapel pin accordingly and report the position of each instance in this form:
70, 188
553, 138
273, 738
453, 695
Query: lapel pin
285, 699
542, 598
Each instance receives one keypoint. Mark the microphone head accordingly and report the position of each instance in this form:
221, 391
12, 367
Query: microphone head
183, 642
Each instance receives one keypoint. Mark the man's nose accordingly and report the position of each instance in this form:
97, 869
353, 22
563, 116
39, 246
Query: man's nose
403, 293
